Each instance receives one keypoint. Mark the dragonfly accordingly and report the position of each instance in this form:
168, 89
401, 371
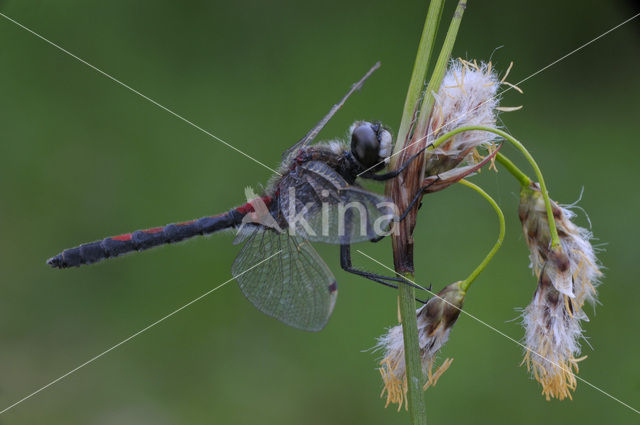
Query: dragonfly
315, 197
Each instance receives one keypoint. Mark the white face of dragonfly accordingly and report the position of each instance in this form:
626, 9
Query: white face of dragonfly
371, 144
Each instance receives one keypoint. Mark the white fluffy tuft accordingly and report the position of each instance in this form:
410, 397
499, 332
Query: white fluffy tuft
467, 96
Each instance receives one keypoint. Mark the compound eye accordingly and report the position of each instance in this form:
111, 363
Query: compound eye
386, 144
365, 144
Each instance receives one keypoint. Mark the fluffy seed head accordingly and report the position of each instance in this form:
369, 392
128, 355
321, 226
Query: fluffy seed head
467, 96
552, 334
435, 320
573, 268
567, 277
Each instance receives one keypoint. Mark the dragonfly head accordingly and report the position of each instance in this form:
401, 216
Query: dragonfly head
371, 144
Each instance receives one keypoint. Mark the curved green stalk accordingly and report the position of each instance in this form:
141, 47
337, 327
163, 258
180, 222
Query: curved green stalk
464, 286
555, 240
525, 181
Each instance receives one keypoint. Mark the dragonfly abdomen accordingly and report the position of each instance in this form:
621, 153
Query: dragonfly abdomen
140, 240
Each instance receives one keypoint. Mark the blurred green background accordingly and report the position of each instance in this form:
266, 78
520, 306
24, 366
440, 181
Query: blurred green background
82, 158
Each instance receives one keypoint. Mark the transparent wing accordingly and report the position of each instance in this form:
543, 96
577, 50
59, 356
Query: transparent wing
295, 286
308, 138
319, 205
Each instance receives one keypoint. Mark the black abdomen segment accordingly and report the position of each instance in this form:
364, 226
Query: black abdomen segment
143, 239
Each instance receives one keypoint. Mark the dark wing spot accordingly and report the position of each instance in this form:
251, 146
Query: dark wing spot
333, 287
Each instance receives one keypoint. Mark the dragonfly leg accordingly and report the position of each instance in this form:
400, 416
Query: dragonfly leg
416, 197
391, 285
392, 174
411, 205
345, 263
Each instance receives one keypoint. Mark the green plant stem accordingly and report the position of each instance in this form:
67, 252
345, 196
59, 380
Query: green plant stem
420, 67
439, 69
555, 240
464, 286
524, 180
415, 375
413, 364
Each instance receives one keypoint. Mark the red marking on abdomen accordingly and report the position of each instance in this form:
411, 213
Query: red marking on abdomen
248, 207
153, 230
245, 209
186, 223
122, 238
